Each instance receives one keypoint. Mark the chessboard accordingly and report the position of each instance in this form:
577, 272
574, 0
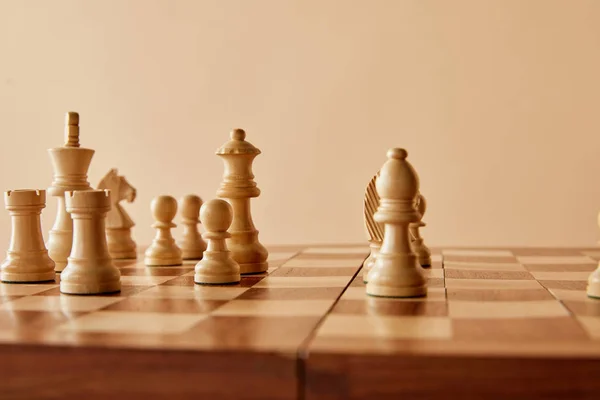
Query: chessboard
496, 323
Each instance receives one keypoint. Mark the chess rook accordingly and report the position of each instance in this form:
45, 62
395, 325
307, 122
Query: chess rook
163, 250
192, 245
71, 164
238, 187
396, 272
593, 284
217, 265
418, 245
118, 223
27, 258
90, 268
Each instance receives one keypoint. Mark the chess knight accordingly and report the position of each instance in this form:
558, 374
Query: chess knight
118, 223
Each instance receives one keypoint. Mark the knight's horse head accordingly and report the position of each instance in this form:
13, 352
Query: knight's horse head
126, 191
119, 185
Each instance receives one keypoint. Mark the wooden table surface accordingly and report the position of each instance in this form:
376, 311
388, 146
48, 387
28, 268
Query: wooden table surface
496, 323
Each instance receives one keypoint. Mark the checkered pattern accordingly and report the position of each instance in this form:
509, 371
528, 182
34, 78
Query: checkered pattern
489, 302
161, 307
496, 301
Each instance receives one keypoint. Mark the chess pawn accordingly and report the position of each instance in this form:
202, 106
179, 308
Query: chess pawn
27, 258
217, 265
593, 286
163, 250
238, 187
71, 164
121, 245
90, 268
396, 272
192, 246
422, 251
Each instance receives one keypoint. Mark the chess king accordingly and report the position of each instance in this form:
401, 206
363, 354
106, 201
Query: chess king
70, 163
238, 187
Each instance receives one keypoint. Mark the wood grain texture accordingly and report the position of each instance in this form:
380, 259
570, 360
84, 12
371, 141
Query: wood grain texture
45, 372
361, 377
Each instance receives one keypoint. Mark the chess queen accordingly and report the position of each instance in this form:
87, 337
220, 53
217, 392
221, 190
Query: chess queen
238, 187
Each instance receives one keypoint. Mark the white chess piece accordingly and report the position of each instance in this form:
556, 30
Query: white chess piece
90, 268
217, 265
121, 245
374, 229
238, 187
396, 272
163, 250
192, 246
418, 245
593, 286
70, 163
27, 258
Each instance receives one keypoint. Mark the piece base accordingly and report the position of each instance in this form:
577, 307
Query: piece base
254, 268
88, 288
217, 280
59, 266
593, 290
27, 277
396, 292
162, 262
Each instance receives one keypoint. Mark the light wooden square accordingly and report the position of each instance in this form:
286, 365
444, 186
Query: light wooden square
561, 276
487, 284
303, 281
322, 263
59, 303
12, 289
359, 251
144, 280
591, 325
506, 309
195, 292
483, 266
368, 326
274, 308
133, 322
477, 253
553, 260
359, 293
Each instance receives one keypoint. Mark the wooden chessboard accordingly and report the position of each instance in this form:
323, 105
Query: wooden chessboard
497, 323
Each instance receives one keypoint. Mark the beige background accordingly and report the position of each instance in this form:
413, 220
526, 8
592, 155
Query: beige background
497, 103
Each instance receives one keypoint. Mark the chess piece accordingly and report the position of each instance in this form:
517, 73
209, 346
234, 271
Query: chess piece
374, 229
593, 286
396, 272
217, 265
192, 246
70, 164
163, 250
238, 187
90, 268
118, 223
27, 258
421, 250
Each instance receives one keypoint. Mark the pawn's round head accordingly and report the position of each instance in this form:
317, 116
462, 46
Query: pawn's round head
190, 206
164, 208
216, 215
